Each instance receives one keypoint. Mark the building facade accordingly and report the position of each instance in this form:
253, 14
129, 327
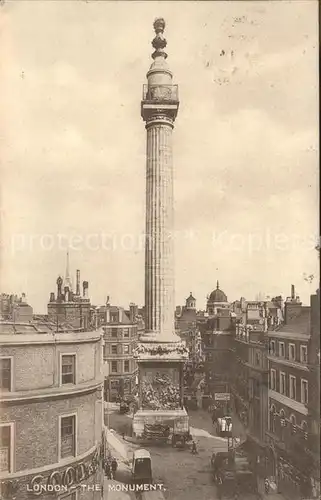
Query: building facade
120, 340
51, 416
216, 327
186, 317
187, 321
250, 385
289, 433
314, 398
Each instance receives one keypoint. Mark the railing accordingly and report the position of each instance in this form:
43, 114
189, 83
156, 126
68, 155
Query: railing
160, 93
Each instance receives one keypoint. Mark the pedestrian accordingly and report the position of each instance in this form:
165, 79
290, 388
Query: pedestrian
194, 449
107, 468
114, 466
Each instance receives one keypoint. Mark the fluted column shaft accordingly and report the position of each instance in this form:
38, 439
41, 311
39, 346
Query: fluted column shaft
159, 256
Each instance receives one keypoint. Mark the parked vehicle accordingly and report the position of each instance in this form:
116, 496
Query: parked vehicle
142, 467
181, 433
232, 475
224, 426
178, 441
124, 407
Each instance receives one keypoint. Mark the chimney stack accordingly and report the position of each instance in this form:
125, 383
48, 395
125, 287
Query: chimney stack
78, 282
66, 289
133, 311
292, 292
85, 289
107, 310
59, 287
292, 307
52, 297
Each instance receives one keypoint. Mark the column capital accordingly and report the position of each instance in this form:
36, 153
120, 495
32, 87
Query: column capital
159, 120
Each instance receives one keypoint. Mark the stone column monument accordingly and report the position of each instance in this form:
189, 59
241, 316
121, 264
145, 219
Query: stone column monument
160, 353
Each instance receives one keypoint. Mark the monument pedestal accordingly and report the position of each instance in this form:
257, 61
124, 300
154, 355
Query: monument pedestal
173, 418
161, 386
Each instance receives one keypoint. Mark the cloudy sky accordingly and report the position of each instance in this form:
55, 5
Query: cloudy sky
73, 145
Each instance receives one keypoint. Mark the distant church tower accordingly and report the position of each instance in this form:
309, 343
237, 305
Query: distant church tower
68, 280
190, 302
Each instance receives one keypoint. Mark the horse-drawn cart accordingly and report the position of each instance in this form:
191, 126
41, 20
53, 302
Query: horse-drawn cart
232, 475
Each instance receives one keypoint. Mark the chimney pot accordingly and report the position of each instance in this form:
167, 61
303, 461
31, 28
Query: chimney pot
292, 291
85, 288
78, 282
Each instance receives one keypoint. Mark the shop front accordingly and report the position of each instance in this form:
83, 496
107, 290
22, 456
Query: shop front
80, 479
292, 482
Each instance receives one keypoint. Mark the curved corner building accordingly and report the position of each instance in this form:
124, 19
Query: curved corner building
51, 417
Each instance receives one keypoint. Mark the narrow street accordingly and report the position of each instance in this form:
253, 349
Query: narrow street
185, 476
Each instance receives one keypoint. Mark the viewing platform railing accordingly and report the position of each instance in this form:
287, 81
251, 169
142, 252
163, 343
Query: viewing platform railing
160, 93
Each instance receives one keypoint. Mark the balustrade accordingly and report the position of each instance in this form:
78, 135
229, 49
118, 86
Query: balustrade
160, 93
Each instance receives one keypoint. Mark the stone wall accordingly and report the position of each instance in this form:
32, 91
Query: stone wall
37, 428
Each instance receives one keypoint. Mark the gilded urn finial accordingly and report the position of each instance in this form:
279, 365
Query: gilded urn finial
159, 43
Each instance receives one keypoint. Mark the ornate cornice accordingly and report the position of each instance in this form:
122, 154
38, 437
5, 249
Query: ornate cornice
51, 393
161, 351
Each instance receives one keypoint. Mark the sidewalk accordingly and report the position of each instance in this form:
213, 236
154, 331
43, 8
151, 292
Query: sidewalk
118, 450
118, 446
272, 495
123, 455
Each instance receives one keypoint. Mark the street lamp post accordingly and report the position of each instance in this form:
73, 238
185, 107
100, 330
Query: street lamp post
108, 401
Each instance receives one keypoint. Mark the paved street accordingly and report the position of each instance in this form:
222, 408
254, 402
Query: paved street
123, 475
201, 419
185, 476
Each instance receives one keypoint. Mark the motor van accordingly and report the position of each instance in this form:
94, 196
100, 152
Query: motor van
142, 467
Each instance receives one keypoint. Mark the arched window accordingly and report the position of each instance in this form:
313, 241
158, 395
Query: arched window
282, 419
272, 418
304, 427
293, 424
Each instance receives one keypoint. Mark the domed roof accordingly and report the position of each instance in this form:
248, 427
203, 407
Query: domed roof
217, 295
